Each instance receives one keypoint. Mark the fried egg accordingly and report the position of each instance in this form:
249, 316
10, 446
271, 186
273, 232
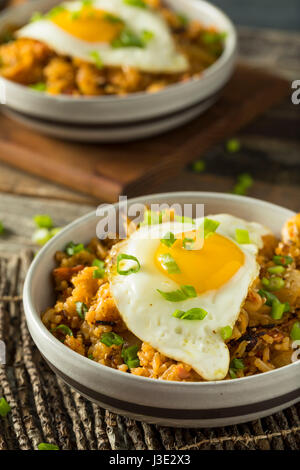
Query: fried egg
218, 275
109, 32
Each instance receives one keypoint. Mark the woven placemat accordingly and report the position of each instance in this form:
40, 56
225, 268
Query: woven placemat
44, 409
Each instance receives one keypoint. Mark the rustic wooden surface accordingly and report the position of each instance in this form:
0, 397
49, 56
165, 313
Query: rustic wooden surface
105, 171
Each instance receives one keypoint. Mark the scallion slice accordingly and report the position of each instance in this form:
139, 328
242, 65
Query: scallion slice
168, 239
95, 56
81, 309
242, 236
64, 329
126, 272
185, 292
237, 364
191, 314
72, 249
188, 243
100, 271
4, 407
130, 356
209, 227
282, 260
111, 338
226, 332
46, 446
169, 264
295, 331
276, 270
151, 218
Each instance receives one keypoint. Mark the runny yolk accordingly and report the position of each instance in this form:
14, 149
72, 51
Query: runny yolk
206, 269
89, 24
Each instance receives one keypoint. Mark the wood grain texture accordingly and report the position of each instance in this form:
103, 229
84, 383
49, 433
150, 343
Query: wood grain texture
105, 171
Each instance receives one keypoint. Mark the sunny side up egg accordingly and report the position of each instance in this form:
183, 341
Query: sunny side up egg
179, 300
109, 32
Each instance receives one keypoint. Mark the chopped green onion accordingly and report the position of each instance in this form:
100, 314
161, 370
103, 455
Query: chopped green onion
275, 283
183, 19
151, 218
41, 236
113, 18
192, 314
54, 231
267, 295
276, 270
188, 243
277, 310
43, 221
81, 309
4, 407
244, 182
184, 220
233, 145
210, 37
36, 16
64, 329
96, 59
226, 332
90, 356
282, 260
46, 446
147, 35
169, 264
130, 356
242, 236
295, 331
40, 86
1, 228
185, 292
72, 249
111, 338
126, 272
198, 166
75, 15
135, 3
168, 239
237, 364
100, 271
209, 227
55, 11
232, 373
127, 39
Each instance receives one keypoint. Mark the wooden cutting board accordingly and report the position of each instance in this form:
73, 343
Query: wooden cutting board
107, 170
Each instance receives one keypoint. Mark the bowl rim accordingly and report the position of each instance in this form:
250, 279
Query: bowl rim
34, 317
227, 54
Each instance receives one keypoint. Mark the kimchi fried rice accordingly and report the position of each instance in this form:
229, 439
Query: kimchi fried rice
85, 317
33, 63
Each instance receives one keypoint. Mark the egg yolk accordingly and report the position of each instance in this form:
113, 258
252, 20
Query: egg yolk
205, 269
89, 24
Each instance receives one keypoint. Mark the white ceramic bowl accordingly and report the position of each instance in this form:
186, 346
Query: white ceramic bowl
157, 401
122, 118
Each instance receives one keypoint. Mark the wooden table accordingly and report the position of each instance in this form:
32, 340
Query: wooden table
270, 152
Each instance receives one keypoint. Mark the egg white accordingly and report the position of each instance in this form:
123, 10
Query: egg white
149, 316
159, 55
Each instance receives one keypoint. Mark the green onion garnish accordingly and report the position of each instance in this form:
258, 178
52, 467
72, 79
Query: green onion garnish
100, 271
273, 284
233, 145
126, 272
43, 221
72, 249
127, 39
130, 356
135, 3
36, 16
81, 309
244, 182
295, 331
184, 220
226, 332
40, 86
210, 37
111, 338
96, 59
151, 218
55, 11
168, 239
188, 243
185, 292
209, 227
1, 228
64, 329
282, 260
276, 270
41, 236
198, 166
4, 407
90, 356
267, 295
192, 314
232, 374
147, 35
242, 236
277, 310
237, 364
113, 18
46, 446
169, 264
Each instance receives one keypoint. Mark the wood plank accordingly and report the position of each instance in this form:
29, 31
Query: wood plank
105, 171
